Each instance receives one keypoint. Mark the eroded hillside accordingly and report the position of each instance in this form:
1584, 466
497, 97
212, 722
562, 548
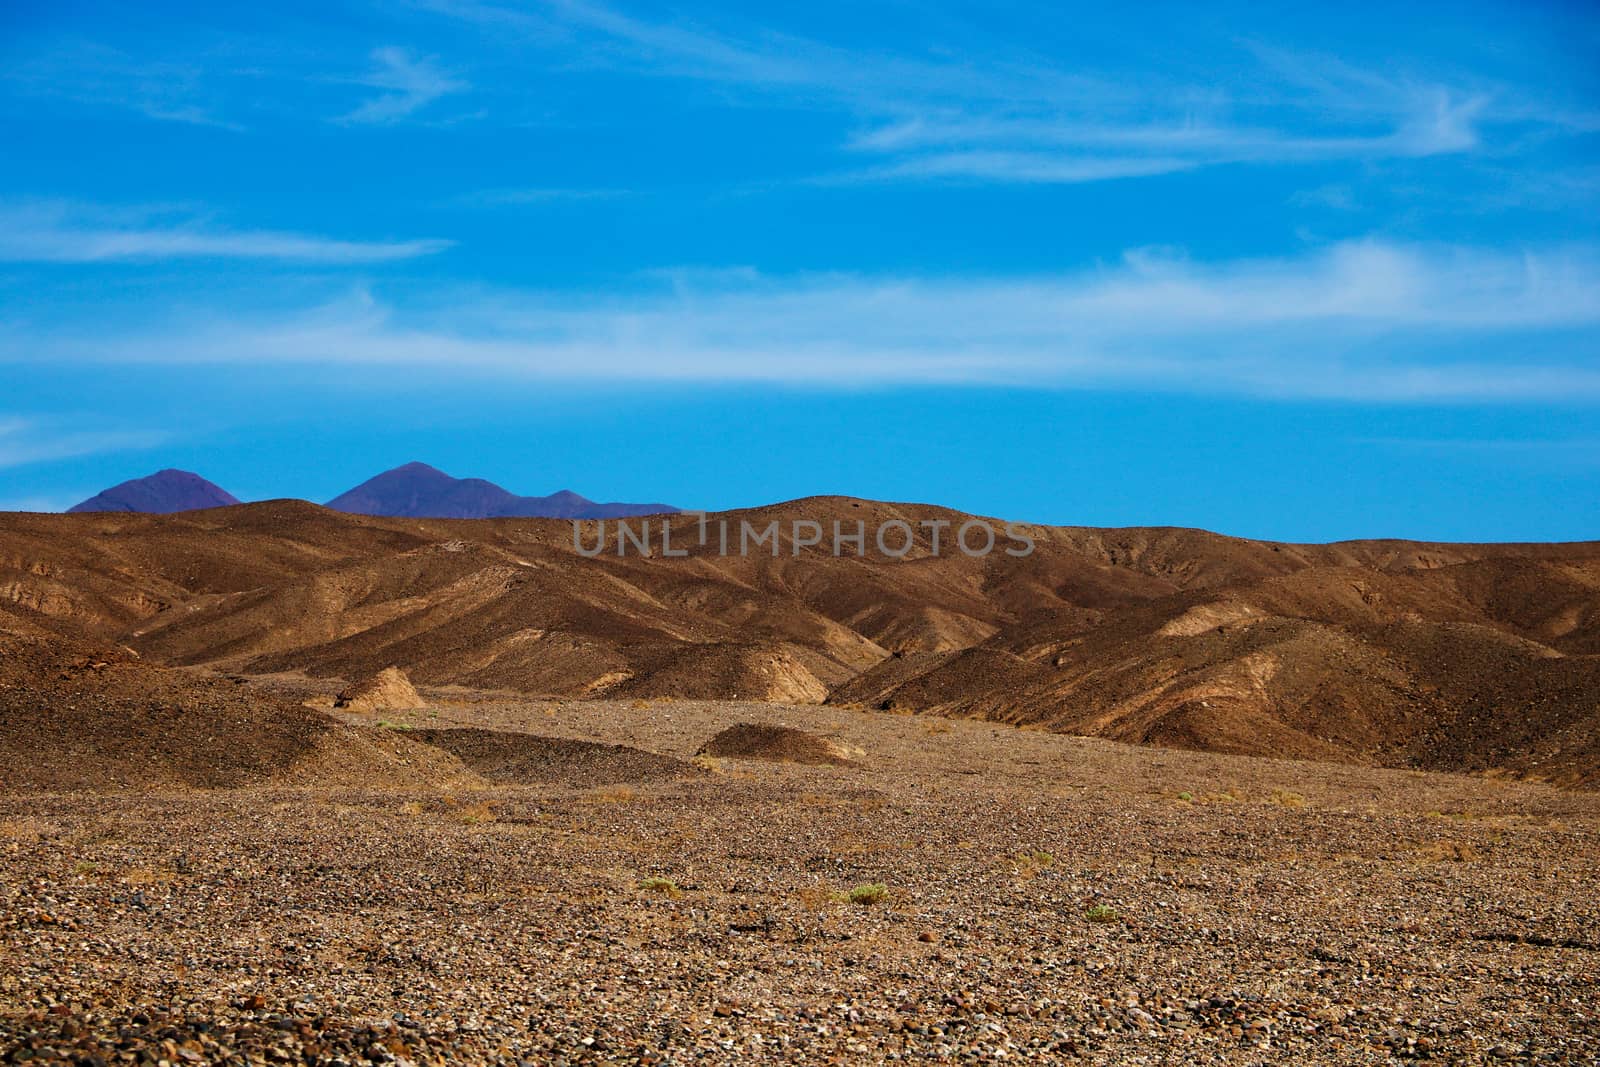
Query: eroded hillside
1399, 653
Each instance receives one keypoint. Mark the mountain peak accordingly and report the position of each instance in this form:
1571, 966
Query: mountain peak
416, 490
165, 491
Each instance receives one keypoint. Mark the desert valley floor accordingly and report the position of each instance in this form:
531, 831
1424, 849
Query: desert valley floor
1043, 896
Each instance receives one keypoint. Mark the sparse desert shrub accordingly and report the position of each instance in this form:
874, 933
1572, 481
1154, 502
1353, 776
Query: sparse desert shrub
411, 807
1285, 799
385, 724
1449, 852
1101, 913
140, 876
616, 794
870, 893
936, 726
665, 887
1029, 864
1186, 796
474, 814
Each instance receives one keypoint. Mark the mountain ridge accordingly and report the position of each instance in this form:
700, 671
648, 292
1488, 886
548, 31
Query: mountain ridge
411, 490
417, 490
1462, 657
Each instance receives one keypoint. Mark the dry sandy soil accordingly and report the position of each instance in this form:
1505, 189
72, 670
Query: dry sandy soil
1043, 897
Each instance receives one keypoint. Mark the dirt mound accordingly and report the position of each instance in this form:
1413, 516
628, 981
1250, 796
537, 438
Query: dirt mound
781, 744
502, 756
388, 690
75, 718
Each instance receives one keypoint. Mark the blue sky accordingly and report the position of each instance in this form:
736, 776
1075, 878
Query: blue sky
1294, 274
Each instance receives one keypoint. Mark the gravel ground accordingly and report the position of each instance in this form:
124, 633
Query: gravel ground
1042, 897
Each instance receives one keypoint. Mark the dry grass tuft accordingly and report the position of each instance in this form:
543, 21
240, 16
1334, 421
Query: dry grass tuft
665, 887
1029, 864
1450, 852
474, 814
149, 875
868, 894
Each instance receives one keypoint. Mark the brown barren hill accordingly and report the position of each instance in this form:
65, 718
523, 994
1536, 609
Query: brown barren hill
78, 718
1451, 656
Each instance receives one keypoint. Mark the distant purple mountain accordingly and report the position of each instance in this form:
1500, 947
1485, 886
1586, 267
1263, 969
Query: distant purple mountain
163, 491
418, 491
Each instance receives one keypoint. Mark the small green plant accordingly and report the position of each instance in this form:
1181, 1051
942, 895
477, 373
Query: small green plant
1101, 913
871, 893
1186, 796
664, 886
1029, 864
385, 724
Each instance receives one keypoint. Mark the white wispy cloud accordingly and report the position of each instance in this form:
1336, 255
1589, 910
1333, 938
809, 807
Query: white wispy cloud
93, 74
24, 441
1016, 166
1368, 320
406, 84
1031, 148
66, 232
1016, 117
